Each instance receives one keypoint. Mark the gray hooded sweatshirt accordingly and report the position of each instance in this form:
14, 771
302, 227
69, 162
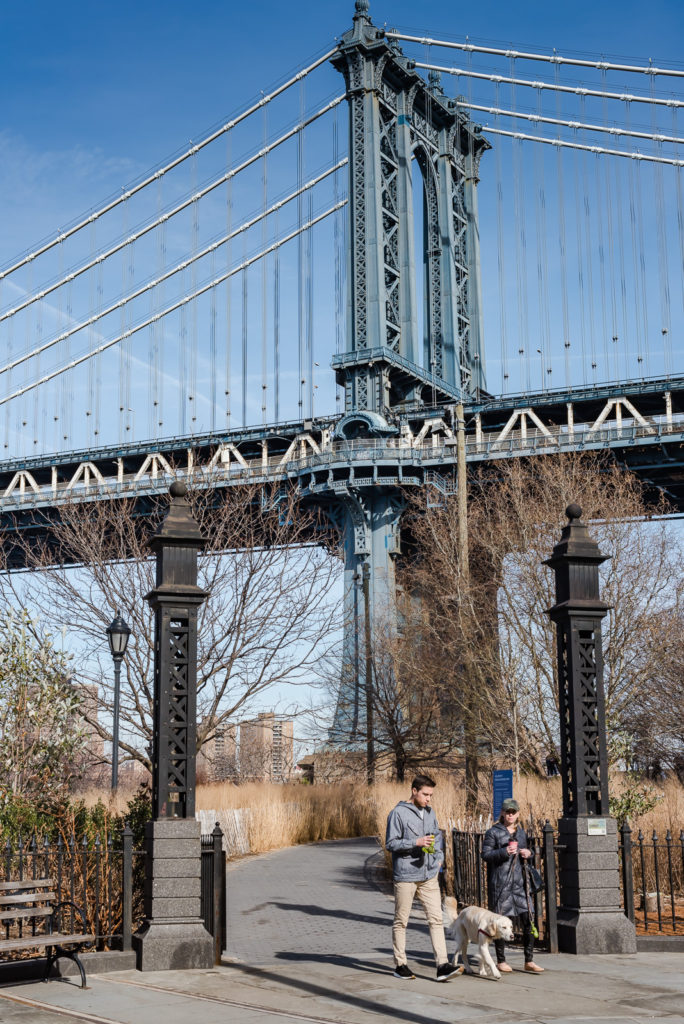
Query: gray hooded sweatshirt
405, 824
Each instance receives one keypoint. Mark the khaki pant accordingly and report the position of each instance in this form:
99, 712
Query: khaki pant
429, 895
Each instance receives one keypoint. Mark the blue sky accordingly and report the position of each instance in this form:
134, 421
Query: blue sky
92, 94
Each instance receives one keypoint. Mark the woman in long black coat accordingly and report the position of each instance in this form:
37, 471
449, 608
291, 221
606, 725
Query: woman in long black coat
504, 851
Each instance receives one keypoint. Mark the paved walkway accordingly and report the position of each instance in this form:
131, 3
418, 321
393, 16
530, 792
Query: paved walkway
309, 940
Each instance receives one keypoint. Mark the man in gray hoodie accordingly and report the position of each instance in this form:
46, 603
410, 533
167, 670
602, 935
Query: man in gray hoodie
415, 842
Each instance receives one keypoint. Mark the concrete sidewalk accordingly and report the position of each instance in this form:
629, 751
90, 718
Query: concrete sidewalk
309, 940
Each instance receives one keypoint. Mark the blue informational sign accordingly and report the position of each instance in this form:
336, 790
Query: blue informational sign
502, 786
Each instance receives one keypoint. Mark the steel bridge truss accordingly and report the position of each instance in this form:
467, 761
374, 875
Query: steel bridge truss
643, 425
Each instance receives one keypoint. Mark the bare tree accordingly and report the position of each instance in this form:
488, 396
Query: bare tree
271, 609
486, 636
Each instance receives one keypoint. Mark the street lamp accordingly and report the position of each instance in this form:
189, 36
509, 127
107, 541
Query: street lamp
117, 634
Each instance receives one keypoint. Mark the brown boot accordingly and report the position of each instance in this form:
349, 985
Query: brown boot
531, 968
504, 967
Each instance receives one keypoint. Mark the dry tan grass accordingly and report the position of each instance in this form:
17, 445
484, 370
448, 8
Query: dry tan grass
287, 815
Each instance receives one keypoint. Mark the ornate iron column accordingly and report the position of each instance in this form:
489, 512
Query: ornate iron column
173, 934
590, 919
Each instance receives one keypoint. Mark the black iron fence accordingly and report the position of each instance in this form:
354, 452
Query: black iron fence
651, 879
107, 883
103, 881
470, 879
214, 889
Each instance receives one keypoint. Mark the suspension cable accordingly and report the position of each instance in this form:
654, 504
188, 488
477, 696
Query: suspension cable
210, 249
555, 58
167, 167
181, 303
645, 157
188, 202
577, 90
537, 118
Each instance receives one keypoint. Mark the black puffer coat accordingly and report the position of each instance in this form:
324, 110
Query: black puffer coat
505, 878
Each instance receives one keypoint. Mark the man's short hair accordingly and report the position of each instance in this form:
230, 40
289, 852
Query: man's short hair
421, 781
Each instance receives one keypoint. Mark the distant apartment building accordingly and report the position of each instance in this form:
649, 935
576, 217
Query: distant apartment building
266, 749
258, 750
217, 759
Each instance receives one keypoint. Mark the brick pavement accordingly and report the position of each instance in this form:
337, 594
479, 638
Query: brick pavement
322, 899
310, 943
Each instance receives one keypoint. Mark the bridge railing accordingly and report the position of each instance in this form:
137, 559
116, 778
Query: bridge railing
439, 447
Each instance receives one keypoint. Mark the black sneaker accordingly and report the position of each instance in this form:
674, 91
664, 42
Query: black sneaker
446, 971
404, 971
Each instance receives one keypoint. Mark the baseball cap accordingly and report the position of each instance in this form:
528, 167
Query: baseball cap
510, 805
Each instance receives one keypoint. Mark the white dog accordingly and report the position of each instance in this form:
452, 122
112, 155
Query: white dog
475, 924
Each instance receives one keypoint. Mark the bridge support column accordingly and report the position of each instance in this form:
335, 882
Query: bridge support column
590, 919
173, 935
370, 530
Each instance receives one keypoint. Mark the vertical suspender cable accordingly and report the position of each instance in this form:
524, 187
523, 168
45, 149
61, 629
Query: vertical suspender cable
542, 261
599, 207
57, 393
212, 348
38, 399
276, 322
122, 324
192, 394
642, 268
98, 358
501, 248
160, 332
182, 369
264, 267
521, 250
589, 238
10, 353
663, 260
153, 407
309, 306
245, 331
22, 406
680, 209
300, 256
338, 255
229, 249
635, 255
92, 275
562, 242
621, 342
580, 263
69, 417
129, 416
60, 394
608, 205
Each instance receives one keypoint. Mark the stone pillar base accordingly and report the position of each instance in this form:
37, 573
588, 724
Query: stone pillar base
595, 932
590, 918
173, 936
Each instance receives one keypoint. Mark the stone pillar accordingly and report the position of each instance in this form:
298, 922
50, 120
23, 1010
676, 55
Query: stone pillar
173, 935
590, 919
371, 537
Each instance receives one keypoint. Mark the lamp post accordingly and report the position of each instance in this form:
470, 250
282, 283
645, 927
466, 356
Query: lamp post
118, 633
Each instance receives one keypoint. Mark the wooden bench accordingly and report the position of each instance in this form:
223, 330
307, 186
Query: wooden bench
31, 919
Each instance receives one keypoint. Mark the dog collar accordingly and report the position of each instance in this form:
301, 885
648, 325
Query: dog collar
485, 933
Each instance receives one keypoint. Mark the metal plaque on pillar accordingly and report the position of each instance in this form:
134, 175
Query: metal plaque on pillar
590, 919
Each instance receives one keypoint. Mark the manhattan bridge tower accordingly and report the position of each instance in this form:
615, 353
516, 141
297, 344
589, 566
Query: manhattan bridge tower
393, 374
